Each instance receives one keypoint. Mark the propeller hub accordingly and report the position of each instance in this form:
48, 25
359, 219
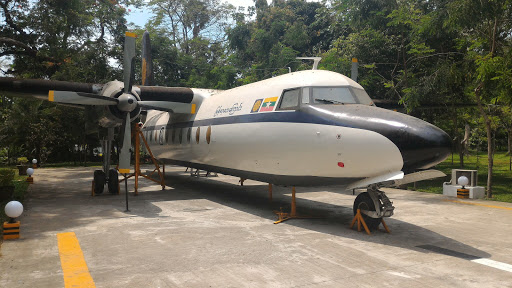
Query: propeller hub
127, 102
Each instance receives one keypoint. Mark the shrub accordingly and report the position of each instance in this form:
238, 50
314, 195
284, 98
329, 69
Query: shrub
22, 160
6, 176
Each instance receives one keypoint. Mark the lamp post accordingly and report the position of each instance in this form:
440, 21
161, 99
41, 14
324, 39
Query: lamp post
30, 172
13, 210
34, 163
463, 192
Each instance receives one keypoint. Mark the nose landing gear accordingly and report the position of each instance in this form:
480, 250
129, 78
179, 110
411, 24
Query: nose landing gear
373, 206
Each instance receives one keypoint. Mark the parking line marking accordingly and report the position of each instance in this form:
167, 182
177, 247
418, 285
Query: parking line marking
494, 264
478, 204
483, 261
74, 267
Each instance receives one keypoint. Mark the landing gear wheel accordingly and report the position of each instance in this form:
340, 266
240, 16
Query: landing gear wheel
99, 181
113, 181
364, 202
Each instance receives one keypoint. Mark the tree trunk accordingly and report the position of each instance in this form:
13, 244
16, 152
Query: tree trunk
454, 140
509, 145
461, 155
489, 139
467, 131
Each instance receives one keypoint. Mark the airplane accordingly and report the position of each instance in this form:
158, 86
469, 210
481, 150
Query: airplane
305, 128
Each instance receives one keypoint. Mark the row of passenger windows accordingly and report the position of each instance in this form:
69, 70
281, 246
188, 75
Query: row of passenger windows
177, 135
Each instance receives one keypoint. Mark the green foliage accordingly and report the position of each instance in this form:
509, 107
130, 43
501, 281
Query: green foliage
22, 160
6, 176
281, 32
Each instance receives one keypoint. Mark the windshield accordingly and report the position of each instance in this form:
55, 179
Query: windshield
362, 96
339, 95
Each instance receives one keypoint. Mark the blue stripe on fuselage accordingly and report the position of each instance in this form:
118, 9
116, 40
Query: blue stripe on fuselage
284, 116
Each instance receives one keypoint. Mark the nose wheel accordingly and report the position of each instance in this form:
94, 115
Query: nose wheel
365, 204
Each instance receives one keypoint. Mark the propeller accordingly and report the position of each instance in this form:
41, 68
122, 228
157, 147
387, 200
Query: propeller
170, 99
127, 102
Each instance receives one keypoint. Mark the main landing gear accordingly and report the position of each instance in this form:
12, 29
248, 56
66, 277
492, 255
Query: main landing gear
107, 176
373, 206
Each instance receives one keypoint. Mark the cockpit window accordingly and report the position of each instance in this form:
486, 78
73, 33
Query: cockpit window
290, 99
333, 95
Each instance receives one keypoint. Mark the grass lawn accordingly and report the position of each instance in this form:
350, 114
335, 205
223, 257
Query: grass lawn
502, 176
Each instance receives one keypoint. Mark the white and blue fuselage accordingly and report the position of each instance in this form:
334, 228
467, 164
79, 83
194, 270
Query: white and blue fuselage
305, 128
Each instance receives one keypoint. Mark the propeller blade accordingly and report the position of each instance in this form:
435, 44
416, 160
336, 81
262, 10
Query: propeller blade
158, 93
39, 88
129, 57
81, 98
147, 61
124, 155
174, 107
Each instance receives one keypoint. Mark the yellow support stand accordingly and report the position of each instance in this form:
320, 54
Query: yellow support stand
360, 220
283, 216
138, 136
11, 230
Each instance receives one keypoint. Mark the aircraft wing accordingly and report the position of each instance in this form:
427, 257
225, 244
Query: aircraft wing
418, 176
397, 179
376, 179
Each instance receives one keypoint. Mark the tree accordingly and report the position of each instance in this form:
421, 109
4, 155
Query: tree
483, 28
190, 20
59, 40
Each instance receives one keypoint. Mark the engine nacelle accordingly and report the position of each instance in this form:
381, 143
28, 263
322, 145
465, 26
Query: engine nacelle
110, 116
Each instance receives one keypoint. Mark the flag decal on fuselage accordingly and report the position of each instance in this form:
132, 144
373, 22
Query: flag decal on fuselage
256, 106
269, 104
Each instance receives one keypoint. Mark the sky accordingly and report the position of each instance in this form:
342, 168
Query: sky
139, 17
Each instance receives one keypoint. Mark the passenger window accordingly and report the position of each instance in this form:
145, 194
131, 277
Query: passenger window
170, 132
188, 134
161, 137
290, 99
208, 134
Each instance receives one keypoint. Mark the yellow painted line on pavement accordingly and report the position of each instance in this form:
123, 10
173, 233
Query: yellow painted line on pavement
479, 204
76, 273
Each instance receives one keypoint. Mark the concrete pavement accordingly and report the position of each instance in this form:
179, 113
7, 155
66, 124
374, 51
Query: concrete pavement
211, 232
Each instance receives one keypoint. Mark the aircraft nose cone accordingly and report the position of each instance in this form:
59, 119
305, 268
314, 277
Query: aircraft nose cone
421, 144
